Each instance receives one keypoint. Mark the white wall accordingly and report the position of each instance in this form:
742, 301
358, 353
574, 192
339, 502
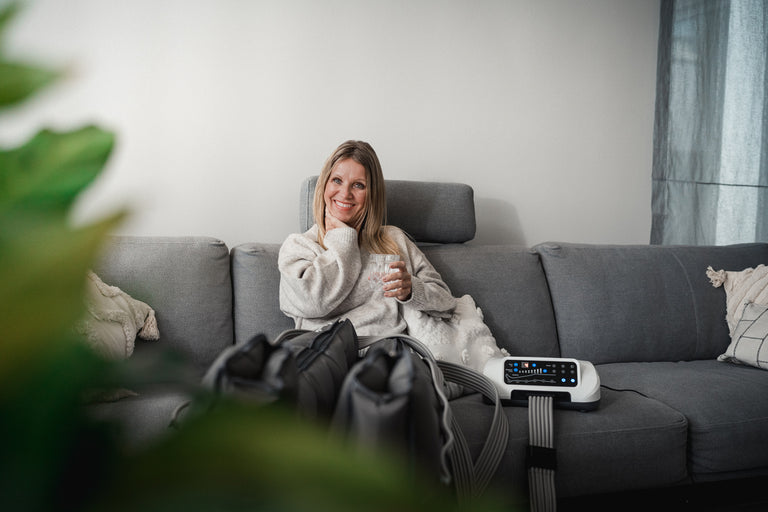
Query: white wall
222, 107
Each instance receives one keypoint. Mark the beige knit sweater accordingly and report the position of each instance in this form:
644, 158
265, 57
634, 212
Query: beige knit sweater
319, 286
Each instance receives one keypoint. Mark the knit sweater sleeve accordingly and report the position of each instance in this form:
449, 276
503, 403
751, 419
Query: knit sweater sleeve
313, 280
429, 293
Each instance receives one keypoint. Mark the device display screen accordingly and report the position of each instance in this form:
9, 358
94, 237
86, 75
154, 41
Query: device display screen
540, 373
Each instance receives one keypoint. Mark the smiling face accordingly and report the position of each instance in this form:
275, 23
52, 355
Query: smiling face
345, 192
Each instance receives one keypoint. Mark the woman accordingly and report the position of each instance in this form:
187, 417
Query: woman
323, 273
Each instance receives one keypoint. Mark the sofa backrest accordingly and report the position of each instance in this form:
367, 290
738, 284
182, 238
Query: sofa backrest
616, 303
508, 285
431, 212
506, 282
186, 280
256, 287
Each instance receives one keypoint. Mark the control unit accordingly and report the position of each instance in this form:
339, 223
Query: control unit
572, 383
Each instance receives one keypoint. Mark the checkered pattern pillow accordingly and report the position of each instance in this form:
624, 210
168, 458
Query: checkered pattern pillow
748, 343
748, 285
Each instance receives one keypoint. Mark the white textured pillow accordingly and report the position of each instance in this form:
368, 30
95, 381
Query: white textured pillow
114, 319
748, 344
748, 285
463, 339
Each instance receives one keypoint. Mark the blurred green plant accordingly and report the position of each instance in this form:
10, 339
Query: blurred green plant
19, 80
52, 456
43, 365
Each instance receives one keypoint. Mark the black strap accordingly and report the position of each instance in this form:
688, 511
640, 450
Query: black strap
541, 457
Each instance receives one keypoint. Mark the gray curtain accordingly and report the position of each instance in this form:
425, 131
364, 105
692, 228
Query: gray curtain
710, 165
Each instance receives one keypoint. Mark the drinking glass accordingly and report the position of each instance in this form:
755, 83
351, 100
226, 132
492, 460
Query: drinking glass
378, 266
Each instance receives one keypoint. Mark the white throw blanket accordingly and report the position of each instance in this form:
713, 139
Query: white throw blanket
462, 339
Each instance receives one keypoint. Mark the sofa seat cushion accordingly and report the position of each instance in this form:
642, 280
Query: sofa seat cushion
617, 447
725, 405
143, 418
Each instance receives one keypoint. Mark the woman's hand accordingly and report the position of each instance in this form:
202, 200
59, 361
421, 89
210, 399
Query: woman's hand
332, 222
397, 283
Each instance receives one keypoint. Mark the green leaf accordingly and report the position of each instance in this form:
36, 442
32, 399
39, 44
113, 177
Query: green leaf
19, 81
49, 171
237, 457
43, 265
45, 433
6, 15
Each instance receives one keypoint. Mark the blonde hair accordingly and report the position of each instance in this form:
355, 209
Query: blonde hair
370, 233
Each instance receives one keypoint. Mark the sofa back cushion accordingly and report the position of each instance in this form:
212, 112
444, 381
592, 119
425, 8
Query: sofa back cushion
256, 286
507, 283
431, 212
186, 280
616, 303
509, 286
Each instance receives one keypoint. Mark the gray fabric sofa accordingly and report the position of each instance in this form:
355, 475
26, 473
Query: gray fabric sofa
646, 316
